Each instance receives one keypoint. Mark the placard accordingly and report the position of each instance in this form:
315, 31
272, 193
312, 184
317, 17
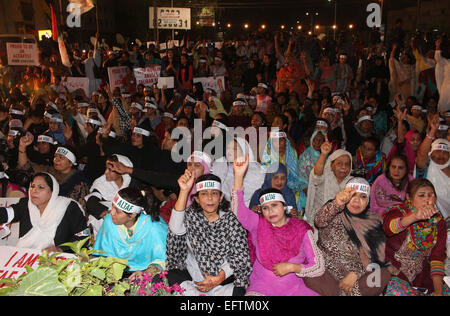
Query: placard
211, 83
74, 83
167, 82
22, 54
116, 76
147, 76
171, 18
13, 261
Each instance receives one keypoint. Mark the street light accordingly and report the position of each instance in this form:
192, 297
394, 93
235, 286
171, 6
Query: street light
350, 26
246, 26
282, 27
228, 25
263, 26
299, 27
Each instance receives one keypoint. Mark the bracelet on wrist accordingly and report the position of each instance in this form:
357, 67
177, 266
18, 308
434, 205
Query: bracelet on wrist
430, 137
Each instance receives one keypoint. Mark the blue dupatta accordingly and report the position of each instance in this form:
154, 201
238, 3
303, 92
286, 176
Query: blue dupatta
146, 246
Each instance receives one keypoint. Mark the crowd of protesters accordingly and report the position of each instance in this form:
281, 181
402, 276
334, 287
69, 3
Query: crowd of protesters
357, 135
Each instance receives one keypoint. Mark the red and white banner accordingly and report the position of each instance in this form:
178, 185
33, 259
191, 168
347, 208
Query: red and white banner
13, 261
116, 76
74, 83
22, 54
147, 76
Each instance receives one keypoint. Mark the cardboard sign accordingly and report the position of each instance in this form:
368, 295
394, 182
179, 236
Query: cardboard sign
147, 76
211, 83
166, 82
13, 261
116, 75
22, 54
73, 84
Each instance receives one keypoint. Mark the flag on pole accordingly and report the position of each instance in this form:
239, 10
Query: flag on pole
63, 52
85, 5
54, 24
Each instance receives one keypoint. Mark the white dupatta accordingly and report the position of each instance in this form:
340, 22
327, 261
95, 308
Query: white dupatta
42, 234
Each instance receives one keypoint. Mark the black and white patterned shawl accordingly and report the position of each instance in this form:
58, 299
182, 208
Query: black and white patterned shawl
124, 118
212, 245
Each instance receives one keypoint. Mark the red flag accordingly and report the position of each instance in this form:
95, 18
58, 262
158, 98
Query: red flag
54, 24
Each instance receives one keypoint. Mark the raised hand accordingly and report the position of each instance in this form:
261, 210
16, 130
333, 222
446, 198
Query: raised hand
25, 142
343, 197
326, 147
426, 212
120, 168
186, 181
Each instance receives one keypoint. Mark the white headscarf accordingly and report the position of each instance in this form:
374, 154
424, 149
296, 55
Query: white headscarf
331, 187
440, 181
253, 180
42, 234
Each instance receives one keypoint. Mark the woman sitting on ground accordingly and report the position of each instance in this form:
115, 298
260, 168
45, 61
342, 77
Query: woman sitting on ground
285, 247
416, 240
207, 250
134, 231
352, 240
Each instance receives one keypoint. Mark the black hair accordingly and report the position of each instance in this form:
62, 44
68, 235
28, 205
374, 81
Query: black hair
262, 116
46, 178
224, 206
405, 179
284, 118
373, 140
144, 199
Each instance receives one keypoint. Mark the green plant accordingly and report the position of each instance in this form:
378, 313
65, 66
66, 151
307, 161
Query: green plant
80, 276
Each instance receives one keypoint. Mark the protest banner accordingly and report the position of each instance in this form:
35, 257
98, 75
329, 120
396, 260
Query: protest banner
13, 237
73, 84
211, 83
13, 261
22, 54
116, 76
147, 76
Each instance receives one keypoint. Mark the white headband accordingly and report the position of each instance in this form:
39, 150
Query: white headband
46, 139
364, 118
83, 105
138, 106
220, 125
56, 119
93, 122
263, 85
151, 105
208, 185
270, 197
68, 154
47, 115
13, 132
322, 123
190, 99
237, 103
111, 133
16, 112
126, 206
278, 135
359, 187
53, 105
202, 156
439, 146
417, 107
141, 131
443, 127
169, 115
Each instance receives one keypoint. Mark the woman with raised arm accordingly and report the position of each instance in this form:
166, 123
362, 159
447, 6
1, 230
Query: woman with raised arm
285, 247
353, 243
416, 243
207, 251
329, 176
